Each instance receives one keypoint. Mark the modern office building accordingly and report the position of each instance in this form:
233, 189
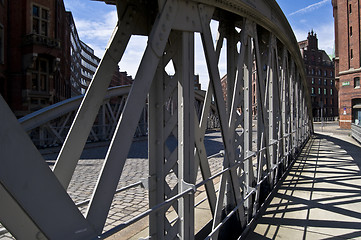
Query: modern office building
348, 59
83, 62
89, 64
320, 79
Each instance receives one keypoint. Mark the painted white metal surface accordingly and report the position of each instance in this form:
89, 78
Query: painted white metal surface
258, 39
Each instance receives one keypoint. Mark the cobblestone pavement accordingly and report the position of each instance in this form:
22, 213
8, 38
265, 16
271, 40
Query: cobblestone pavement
130, 203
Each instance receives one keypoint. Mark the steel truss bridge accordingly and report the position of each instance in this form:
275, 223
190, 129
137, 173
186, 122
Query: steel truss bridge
260, 45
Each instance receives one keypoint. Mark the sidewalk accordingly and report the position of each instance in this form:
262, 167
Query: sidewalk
321, 196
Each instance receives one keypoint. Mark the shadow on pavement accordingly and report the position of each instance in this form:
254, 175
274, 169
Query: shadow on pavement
321, 196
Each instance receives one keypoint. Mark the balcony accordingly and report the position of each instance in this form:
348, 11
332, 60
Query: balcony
35, 39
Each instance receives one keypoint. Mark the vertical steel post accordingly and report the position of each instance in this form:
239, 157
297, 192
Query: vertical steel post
271, 105
297, 106
231, 62
247, 111
284, 101
156, 153
292, 107
186, 165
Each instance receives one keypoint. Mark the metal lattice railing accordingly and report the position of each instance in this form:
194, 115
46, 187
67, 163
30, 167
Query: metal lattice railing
356, 132
263, 65
49, 126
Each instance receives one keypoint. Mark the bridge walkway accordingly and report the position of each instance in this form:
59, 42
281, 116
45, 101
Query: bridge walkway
321, 196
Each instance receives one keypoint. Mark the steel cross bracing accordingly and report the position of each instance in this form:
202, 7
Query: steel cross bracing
260, 48
49, 126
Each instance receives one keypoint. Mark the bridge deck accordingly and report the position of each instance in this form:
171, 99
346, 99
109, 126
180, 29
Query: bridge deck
321, 197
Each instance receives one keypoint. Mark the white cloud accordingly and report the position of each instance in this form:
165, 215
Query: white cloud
310, 8
133, 55
325, 34
69, 5
97, 33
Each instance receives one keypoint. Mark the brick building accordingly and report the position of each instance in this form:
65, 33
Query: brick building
348, 59
3, 49
35, 40
320, 78
42, 59
120, 79
254, 89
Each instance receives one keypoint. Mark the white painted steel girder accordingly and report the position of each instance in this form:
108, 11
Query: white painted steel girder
264, 68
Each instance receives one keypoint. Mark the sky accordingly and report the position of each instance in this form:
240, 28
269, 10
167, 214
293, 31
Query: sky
95, 22
307, 15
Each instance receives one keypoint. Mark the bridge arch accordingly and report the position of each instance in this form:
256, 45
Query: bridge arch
261, 48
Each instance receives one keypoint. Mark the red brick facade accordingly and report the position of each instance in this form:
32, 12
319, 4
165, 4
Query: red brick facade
120, 79
347, 59
36, 72
320, 78
3, 48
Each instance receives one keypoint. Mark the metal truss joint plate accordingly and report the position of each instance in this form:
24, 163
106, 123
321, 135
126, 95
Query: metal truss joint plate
162, 27
145, 182
273, 141
186, 186
205, 15
250, 155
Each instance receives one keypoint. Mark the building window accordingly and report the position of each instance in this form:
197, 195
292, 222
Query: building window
2, 43
357, 82
313, 80
325, 82
351, 54
325, 73
351, 31
319, 81
313, 90
350, 8
324, 91
40, 20
40, 75
331, 82
313, 71
319, 72
319, 91
331, 73
331, 93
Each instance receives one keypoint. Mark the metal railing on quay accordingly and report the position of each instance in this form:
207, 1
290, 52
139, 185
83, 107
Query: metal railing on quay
193, 189
356, 132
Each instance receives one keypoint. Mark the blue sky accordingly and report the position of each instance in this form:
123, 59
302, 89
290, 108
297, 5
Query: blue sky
95, 22
305, 15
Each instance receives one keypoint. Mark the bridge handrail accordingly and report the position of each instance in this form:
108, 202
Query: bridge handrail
56, 110
356, 132
171, 200
44, 115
